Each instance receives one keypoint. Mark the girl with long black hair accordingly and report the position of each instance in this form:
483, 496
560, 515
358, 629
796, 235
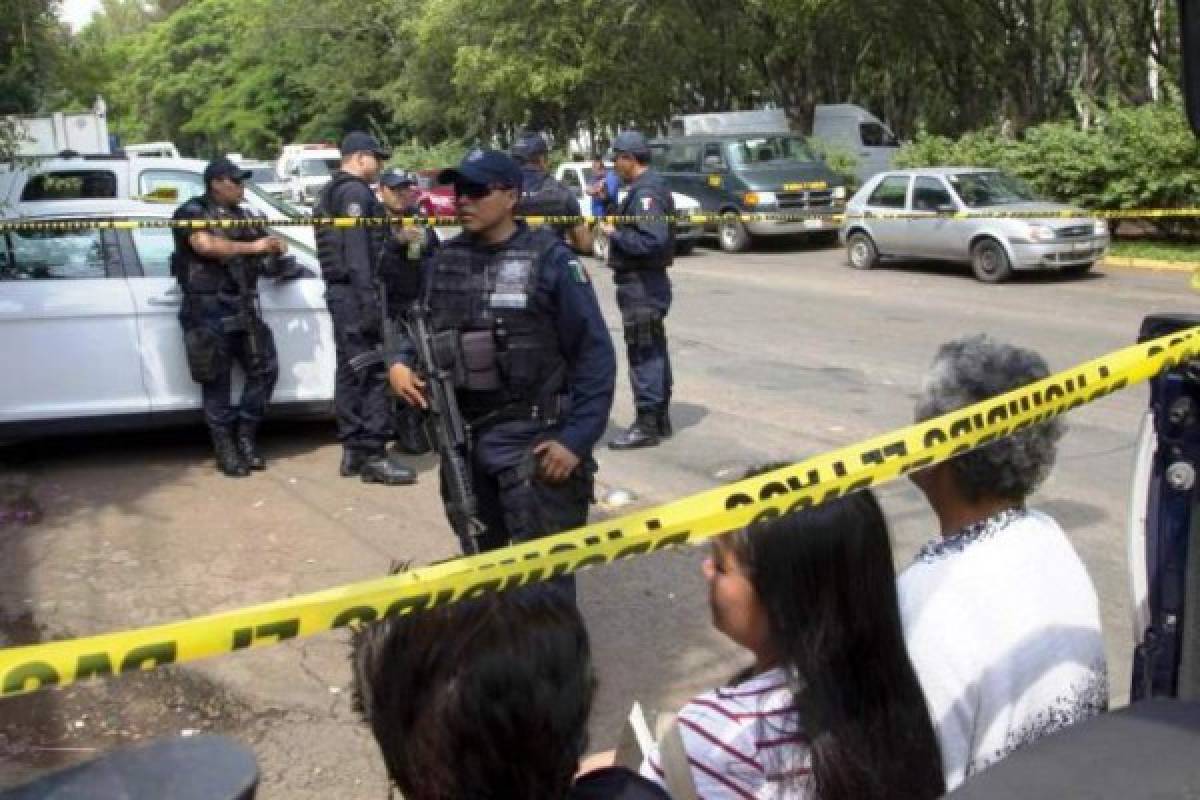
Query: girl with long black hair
831, 708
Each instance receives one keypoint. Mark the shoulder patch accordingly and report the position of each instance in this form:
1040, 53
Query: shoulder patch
578, 271
354, 210
647, 203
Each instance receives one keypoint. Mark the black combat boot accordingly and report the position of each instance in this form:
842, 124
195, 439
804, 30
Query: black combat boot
229, 460
642, 433
663, 418
352, 462
379, 468
247, 446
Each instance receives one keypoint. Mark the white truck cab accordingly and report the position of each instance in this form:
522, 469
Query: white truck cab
305, 169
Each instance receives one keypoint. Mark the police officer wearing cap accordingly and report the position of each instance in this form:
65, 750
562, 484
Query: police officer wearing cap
401, 267
639, 253
541, 369
349, 259
545, 196
215, 334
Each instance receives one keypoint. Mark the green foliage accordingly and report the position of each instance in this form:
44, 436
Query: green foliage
838, 158
1135, 158
416, 156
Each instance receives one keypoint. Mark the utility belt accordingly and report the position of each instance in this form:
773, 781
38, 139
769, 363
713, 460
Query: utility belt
549, 413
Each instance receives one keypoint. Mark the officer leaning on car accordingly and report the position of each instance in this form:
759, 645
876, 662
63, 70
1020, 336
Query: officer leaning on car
402, 263
349, 260
544, 196
539, 367
639, 253
215, 268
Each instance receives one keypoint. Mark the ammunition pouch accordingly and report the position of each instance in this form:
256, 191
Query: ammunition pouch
643, 327
480, 371
203, 347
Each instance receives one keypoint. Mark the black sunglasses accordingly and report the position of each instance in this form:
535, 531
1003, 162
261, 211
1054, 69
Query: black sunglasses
476, 191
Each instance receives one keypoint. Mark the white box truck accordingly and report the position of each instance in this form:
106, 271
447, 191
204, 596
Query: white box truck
84, 132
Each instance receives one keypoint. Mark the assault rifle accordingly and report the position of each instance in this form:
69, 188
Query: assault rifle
437, 354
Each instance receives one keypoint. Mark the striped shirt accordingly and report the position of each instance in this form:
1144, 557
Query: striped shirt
743, 741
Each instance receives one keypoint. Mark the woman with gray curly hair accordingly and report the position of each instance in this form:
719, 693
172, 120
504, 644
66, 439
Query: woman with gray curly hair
1000, 615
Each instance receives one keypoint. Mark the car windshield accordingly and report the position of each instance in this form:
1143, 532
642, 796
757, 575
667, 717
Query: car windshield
979, 189
318, 167
263, 175
758, 150
282, 206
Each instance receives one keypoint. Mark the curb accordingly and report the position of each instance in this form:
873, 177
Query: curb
1151, 264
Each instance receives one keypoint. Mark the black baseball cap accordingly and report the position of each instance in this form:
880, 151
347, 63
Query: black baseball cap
224, 168
530, 145
632, 142
486, 167
397, 179
359, 142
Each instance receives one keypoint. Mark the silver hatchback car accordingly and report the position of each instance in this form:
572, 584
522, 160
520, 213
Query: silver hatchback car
908, 214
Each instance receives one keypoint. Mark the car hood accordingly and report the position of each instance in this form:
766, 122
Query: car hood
778, 178
1056, 213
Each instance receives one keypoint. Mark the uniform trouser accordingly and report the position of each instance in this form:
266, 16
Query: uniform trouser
206, 326
644, 298
514, 504
360, 394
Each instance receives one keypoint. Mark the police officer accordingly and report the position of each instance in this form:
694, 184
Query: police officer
213, 266
545, 196
542, 368
639, 254
401, 267
349, 259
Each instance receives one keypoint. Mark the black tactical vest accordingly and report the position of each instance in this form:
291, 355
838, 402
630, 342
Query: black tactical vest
649, 185
544, 198
330, 240
473, 289
197, 274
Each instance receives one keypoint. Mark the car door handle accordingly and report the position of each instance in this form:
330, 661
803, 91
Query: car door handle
173, 297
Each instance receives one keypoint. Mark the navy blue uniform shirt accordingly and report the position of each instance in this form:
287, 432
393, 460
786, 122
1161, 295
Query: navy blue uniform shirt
566, 294
648, 196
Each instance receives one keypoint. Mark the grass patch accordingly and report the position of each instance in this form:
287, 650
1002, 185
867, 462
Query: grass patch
1156, 251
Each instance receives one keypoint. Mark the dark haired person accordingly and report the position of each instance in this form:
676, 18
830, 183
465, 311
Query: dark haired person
487, 698
831, 707
1000, 614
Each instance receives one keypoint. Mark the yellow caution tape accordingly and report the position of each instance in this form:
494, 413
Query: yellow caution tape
687, 521
831, 216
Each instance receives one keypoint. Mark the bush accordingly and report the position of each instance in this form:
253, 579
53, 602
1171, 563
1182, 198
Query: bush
838, 158
437, 156
1135, 158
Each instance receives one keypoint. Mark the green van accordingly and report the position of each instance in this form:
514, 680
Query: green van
753, 173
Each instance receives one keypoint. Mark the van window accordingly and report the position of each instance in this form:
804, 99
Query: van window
755, 150
875, 135
682, 157
185, 185
52, 255
70, 185
929, 194
570, 179
890, 193
712, 157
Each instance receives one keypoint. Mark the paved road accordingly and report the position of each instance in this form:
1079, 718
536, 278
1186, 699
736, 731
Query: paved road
781, 353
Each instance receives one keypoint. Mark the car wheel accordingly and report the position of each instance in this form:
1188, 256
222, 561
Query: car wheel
860, 251
600, 244
732, 234
989, 261
1079, 269
684, 247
